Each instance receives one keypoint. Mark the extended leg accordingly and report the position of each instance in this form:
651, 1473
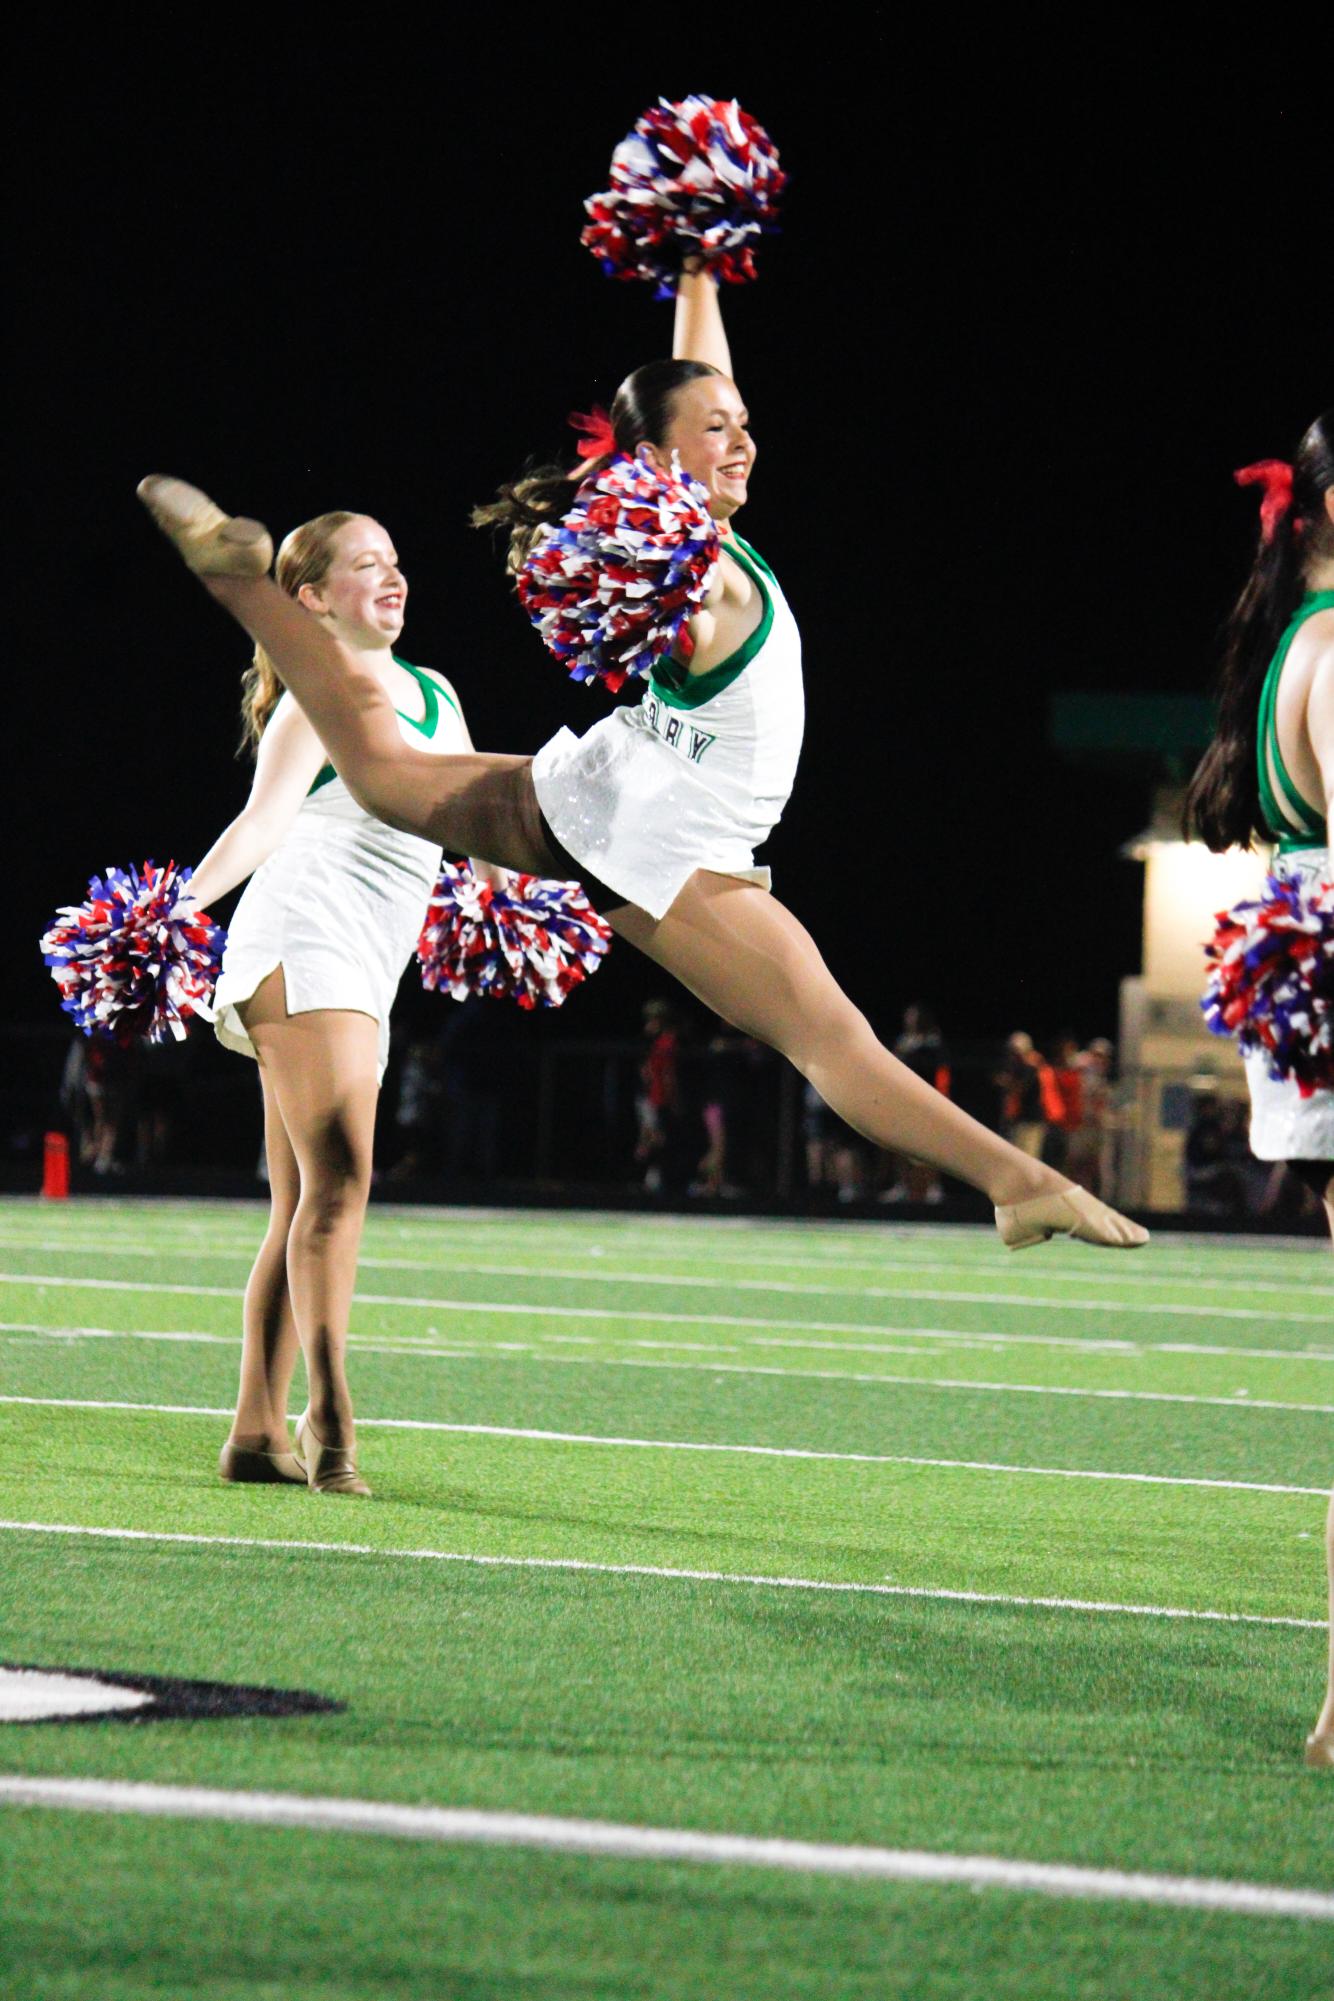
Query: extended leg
478, 804
749, 959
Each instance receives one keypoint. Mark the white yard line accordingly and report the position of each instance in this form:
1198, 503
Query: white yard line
878, 1268
838, 1587
698, 1445
542, 1310
583, 1275
474, 1827
509, 1351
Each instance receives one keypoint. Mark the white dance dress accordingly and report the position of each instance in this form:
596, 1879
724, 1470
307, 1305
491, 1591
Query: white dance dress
339, 906
693, 776
1284, 1124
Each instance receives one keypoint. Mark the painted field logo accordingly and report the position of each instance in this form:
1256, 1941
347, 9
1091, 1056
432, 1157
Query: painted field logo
30, 1694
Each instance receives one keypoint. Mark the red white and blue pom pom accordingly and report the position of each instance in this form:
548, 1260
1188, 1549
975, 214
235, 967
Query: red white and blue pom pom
139, 958
1272, 980
694, 179
532, 943
610, 586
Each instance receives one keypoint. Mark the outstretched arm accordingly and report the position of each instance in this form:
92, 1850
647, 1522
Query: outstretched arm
699, 333
290, 758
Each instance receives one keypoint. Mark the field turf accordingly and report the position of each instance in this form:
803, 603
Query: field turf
601, 1404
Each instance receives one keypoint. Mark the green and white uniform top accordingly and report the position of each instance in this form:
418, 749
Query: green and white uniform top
693, 776
1292, 822
339, 905
1284, 1125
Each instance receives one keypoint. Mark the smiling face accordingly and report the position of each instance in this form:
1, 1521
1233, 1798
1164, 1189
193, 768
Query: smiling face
363, 593
710, 429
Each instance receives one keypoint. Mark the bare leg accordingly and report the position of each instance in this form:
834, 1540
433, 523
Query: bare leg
477, 804
748, 959
321, 1069
269, 1345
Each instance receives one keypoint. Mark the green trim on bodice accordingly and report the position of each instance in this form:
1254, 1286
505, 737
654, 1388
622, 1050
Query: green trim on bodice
432, 694
673, 683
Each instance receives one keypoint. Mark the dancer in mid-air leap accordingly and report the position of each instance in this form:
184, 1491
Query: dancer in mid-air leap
1269, 775
660, 830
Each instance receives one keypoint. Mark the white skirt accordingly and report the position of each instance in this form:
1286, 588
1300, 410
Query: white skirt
637, 816
1284, 1124
339, 921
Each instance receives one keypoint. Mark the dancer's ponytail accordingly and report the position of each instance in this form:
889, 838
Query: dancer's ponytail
1223, 803
304, 558
641, 412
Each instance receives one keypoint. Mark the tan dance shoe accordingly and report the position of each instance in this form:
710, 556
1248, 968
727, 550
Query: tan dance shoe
211, 543
264, 1469
1320, 1751
330, 1469
1070, 1212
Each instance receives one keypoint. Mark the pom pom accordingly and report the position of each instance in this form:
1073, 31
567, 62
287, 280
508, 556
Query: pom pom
611, 585
532, 943
1272, 980
138, 958
694, 179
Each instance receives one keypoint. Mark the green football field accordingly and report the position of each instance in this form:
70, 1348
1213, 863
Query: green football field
862, 1537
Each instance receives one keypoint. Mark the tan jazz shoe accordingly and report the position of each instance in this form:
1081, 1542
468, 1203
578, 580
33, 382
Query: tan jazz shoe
264, 1469
1070, 1212
211, 543
1320, 1751
330, 1469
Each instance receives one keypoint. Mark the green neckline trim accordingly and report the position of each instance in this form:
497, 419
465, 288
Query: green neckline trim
1292, 820
432, 695
684, 690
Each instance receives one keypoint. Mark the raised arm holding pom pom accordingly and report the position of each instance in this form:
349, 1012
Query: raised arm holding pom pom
658, 808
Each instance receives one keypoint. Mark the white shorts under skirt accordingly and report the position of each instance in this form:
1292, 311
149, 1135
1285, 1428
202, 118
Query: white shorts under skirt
1284, 1124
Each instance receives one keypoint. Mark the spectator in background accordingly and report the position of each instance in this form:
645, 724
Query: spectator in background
922, 1047
1030, 1102
659, 1101
1062, 1091
417, 1115
1087, 1158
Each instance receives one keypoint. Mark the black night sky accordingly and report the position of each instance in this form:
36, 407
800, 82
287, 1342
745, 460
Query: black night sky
1020, 326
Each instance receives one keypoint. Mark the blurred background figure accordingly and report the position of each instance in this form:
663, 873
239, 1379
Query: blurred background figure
659, 1102
1215, 1170
1088, 1154
922, 1047
110, 1089
1030, 1102
836, 1156
475, 1053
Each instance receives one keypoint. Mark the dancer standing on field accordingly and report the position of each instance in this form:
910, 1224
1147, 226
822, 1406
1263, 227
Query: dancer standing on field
661, 833
314, 954
1269, 776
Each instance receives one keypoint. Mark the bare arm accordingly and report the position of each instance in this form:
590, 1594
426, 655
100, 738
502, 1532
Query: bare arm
290, 759
1320, 723
699, 334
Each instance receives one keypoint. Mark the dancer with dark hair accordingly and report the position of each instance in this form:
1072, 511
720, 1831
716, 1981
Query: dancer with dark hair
315, 951
1269, 776
658, 808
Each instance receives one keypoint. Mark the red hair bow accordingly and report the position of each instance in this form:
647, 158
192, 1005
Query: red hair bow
1275, 476
599, 439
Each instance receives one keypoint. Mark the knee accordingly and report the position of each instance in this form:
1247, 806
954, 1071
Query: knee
333, 1194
